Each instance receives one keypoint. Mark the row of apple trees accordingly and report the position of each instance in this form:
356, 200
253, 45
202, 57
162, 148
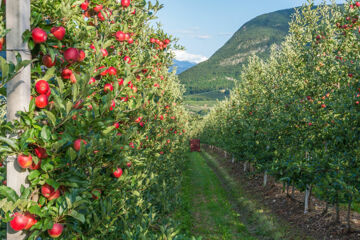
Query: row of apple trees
103, 137
296, 115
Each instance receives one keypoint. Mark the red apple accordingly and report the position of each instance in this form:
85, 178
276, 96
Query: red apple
47, 190
77, 144
127, 59
111, 71
98, 8
71, 55
31, 221
66, 73
47, 61
117, 125
24, 161
19, 222
84, 5
41, 101
42, 87
35, 166
125, 3
58, 32
56, 230
120, 36
112, 106
38, 35
81, 55
118, 172
104, 52
54, 195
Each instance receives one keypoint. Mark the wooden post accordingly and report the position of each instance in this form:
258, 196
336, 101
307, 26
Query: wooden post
18, 89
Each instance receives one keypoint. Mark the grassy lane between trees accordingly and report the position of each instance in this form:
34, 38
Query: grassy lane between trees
216, 207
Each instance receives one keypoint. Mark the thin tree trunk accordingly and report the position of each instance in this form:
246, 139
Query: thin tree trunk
337, 207
265, 178
326, 209
348, 216
307, 196
293, 191
233, 159
245, 166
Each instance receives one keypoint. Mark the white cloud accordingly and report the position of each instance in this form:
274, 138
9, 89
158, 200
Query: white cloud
185, 56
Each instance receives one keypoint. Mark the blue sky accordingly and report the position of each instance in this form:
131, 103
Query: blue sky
203, 26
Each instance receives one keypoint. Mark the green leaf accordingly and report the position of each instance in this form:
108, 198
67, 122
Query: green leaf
34, 174
49, 74
9, 193
51, 117
45, 133
9, 142
78, 216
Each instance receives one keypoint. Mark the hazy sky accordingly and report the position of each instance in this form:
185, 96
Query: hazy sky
203, 26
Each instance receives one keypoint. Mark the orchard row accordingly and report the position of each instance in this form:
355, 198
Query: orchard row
296, 115
103, 137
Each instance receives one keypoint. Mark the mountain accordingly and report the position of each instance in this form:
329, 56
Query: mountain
182, 66
222, 70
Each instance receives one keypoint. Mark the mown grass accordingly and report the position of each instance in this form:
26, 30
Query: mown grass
206, 211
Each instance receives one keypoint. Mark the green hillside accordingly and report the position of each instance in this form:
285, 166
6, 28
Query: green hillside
220, 72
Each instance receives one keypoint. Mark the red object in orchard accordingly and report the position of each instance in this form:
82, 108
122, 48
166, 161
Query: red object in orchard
42, 87
118, 172
49, 192
127, 59
357, 4
81, 56
92, 80
84, 6
77, 144
38, 35
120, 36
94, 195
24, 161
19, 222
41, 153
195, 145
125, 3
58, 32
31, 221
112, 106
117, 125
41, 101
35, 166
98, 8
56, 230
47, 61
104, 52
166, 41
71, 55
108, 88
66, 73
130, 41
128, 164
112, 71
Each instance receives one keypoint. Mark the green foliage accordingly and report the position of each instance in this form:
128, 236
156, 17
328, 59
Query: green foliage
147, 145
295, 115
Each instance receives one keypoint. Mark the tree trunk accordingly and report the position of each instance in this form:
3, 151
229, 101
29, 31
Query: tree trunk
307, 197
337, 207
265, 178
348, 216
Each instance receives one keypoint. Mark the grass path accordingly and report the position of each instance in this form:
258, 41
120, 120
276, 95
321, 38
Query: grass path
215, 206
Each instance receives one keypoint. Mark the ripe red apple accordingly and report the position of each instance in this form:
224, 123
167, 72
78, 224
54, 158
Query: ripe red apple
120, 36
42, 87
127, 59
98, 8
47, 61
84, 5
54, 195
31, 221
81, 55
112, 106
125, 3
130, 41
152, 40
56, 230
166, 41
92, 80
19, 221
77, 144
24, 161
38, 35
357, 4
35, 166
104, 52
112, 71
41, 101
58, 32
118, 172
2, 40
128, 164
108, 88
66, 73
117, 125
47, 190
41, 153
71, 55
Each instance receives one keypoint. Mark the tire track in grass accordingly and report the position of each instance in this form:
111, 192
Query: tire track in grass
207, 212
258, 220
